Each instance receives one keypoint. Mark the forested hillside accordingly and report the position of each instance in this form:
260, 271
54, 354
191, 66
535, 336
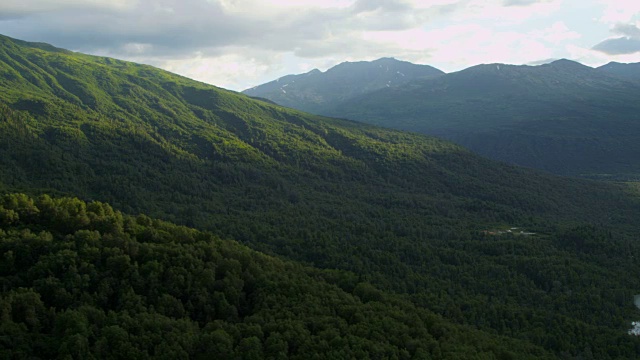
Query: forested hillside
409, 214
84, 281
562, 117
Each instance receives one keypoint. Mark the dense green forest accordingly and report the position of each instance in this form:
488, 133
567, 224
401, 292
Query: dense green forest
84, 281
412, 216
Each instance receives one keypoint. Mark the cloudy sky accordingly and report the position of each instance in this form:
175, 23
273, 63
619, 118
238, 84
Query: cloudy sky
237, 44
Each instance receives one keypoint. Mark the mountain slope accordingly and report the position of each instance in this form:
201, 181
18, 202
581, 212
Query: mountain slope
624, 71
563, 117
313, 91
410, 214
82, 280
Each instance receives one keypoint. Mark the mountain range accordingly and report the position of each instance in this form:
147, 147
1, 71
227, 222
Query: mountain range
562, 117
624, 71
316, 90
314, 235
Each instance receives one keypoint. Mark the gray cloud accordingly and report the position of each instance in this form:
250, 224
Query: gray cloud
629, 30
385, 5
619, 46
180, 28
16, 9
197, 37
166, 31
629, 43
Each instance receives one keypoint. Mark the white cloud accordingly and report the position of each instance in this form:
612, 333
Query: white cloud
238, 69
474, 44
421, 4
136, 48
258, 7
236, 42
455, 47
619, 11
507, 15
556, 33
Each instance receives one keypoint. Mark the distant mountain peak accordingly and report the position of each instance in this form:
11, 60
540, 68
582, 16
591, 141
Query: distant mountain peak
628, 71
487, 69
494, 67
619, 64
565, 61
567, 64
376, 61
384, 61
310, 91
387, 59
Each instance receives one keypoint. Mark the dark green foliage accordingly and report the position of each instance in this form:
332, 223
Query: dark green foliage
401, 213
138, 288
